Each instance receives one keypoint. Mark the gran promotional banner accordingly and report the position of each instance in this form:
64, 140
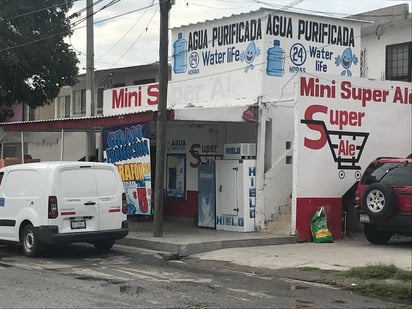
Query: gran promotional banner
128, 148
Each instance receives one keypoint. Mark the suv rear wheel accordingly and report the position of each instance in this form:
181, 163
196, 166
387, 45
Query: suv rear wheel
379, 201
375, 236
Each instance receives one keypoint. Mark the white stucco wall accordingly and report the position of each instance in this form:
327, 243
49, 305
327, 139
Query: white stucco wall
278, 178
399, 32
75, 147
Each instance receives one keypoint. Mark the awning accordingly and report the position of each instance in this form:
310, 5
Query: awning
80, 124
49, 131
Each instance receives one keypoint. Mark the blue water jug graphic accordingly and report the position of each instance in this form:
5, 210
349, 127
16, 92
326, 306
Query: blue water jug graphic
179, 54
275, 60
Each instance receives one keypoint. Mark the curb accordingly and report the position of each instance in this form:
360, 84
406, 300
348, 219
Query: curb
183, 250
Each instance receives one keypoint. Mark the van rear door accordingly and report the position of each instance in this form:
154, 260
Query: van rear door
109, 192
77, 200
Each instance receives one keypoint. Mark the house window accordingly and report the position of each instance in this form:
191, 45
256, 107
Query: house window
144, 81
116, 85
99, 110
79, 102
362, 63
399, 62
63, 106
29, 113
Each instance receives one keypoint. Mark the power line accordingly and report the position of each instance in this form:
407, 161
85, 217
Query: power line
94, 12
135, 41
295, 9
68, 31
124, 14
127, 13
126, 33
35, 11
221, 8
84, 9
121, 15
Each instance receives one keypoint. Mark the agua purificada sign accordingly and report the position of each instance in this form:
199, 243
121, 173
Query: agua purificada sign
233, 60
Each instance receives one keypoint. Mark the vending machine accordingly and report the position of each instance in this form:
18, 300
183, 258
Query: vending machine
206, 212
236, 188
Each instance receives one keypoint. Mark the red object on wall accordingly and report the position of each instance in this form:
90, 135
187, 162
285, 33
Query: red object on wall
182, 208
249, 114
306, 207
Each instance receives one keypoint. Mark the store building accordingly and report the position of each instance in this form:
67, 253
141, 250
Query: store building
278, 80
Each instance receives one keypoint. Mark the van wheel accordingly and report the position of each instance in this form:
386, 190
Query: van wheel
375, 236
103, 246
29, 241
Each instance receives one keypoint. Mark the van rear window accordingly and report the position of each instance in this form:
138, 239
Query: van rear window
107, 184
78, 183
88, 183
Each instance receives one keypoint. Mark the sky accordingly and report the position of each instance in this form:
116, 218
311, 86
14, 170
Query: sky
126, 33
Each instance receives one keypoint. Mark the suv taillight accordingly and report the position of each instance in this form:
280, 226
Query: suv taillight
53, 210
124, 203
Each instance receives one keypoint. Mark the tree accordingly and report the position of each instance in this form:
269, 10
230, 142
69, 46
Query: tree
35, 62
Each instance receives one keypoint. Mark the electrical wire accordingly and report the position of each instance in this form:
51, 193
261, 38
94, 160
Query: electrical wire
135, 41
79, 52
76, 27
127, 13
323, 13
84, 19
222, 8
84, 9
117, 16
126, 33
124, 14
234, 1
113, 17
94, 11
35, 11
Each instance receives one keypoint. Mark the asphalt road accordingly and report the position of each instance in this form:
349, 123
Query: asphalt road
78, 277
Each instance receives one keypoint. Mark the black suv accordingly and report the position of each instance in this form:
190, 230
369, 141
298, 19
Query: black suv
384, 199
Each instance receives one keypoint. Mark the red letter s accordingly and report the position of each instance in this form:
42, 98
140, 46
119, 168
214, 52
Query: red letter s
312, 143
153, 93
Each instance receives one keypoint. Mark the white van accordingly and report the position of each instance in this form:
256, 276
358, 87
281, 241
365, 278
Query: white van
62, 202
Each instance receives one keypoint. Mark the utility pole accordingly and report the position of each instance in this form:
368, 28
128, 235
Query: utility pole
161, 118
90, 104
90, 58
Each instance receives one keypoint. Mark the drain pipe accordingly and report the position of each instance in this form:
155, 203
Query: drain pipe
62, 145
2, 145
22, 146
260, 166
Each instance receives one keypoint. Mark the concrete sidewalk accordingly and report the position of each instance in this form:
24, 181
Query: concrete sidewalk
182, 238
339, 255
271, 251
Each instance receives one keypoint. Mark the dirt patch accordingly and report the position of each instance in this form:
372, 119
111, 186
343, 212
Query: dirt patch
333, 278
